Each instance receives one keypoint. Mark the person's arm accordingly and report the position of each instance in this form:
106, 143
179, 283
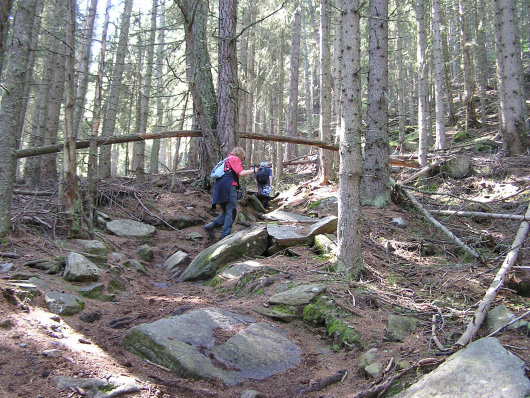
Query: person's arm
248, 172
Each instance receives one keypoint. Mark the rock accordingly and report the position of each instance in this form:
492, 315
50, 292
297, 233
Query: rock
175, 259
287, 235
116, 257
399, 327
298, 295
372, 370
161, 285
194, 236
251, 394
92, 290
324, 245
63, 303
186, 344
98, 388
6, 267
50, 266
500, 316
93, 247
248, 243
280, 215
275, 314
6, 323
482, 369
80, 269
90, 317
145, 253
53, 353
368, 365
457, 168
131, 228
398, 222
180, 221
138, 266
26, 290
238, 270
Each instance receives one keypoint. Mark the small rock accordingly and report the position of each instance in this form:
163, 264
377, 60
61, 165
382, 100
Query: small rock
161, 285
6, 267
53, 353
145, 253
398, 222
56, 318
6, 323
251, 394
90, 317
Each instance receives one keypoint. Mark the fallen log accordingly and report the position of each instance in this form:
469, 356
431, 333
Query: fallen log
479, 214
323, 383
433, 221
491, 293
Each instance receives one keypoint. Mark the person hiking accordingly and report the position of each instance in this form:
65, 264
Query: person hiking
264, 179
225, 192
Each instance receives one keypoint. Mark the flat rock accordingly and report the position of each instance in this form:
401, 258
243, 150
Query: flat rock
280, 215
97, 388
299, 295
482, 369
248, 243
293, 235
79, 269
175, 259
6, 267
93, 247
63, 303
130, 228
186, 344
238, 270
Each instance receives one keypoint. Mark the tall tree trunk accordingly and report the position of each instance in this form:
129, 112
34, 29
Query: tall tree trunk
422, 81
349, 211
156, 154
325, 156
451, 113
96, 120
514, 126
109, 124
244, 75
250, 97
14, 74
308, 96
139, 147
5, 10
84, 64
438, 76
376, 171
400, 78
201, 84
292, 107
469, 81
278, 162
227, 84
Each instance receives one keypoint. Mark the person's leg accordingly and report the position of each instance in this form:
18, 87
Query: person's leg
229, 212
216, 223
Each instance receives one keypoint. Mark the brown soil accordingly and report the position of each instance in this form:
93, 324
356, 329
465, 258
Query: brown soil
413, 271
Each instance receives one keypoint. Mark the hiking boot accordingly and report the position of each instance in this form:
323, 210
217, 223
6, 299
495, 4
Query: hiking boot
210, 228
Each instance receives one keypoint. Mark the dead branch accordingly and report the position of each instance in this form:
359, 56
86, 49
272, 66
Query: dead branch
32, 193
485, 303
323, 383
152, 214
423, 171
479, 214
436, 223
9, 255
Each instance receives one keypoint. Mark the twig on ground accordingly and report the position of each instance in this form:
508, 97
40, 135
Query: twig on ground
508, 324
322, 383
9, 255
154, 215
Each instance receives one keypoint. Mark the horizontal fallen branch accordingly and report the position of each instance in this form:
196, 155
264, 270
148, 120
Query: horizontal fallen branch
323, 383
479, 214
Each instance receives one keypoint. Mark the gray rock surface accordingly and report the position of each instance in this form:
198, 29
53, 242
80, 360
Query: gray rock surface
458, 167
483, 369
79, 269
131, 228
63, 303
6, 267
399, 327
248, 243
280, 215
175, 260
287, 235
238, 270
97, 388
298, 295
93, 247
500, 316
186, 343
145, 253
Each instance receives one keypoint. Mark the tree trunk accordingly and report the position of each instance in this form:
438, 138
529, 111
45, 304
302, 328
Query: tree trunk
400, 78
514, 126
325, 172
14, 74
139, 146
422, 81
84, 65
227, 84
308, 96
376, 170
109, 124
469, 83
292, 105
157, 155
349, 211
438, 76
5, 10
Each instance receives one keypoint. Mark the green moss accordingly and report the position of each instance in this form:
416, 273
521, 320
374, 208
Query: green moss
107, 387
462, 136
284, 309
315, 204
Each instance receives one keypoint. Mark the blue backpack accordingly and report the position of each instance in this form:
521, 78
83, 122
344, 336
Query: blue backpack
218, 170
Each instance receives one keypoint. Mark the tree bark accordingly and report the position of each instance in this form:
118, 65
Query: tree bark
438, 76
376, 171
292, 107
422, 81
469, 83
349, 212
14, 75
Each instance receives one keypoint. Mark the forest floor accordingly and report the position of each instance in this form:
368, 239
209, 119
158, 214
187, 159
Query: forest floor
413, 271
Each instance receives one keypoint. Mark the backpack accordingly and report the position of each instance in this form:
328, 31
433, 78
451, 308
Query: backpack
262, 176
218, 170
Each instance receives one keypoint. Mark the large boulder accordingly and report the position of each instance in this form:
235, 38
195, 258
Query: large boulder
483, 369
131, 228
248, 243
458, 167
298, 295
80, 269
186, 344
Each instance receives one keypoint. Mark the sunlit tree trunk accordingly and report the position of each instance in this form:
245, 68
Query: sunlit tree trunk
451, 113
139, 147
250, 98
14, 74
325, 156
376, 171
227, 84
469, 81
349, 212
160, 152
278, 169
438, 76
83, 65
114, 96
422, 81
292, 105
400, 75
244, 76
514, 126
308, 95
